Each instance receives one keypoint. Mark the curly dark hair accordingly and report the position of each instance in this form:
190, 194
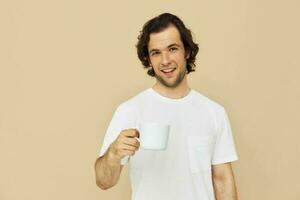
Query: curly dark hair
157, 25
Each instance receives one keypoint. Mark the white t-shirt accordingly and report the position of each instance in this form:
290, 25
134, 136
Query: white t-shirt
200, 136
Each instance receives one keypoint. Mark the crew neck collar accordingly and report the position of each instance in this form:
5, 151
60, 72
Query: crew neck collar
168, 99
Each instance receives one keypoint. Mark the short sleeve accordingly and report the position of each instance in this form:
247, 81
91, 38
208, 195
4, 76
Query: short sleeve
224, 148
123, 118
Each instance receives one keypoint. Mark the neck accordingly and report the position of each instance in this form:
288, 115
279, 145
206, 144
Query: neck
174, 93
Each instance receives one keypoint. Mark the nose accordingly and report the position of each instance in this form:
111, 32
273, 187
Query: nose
165, 59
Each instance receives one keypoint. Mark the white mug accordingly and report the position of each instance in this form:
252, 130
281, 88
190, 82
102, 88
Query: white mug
153, 136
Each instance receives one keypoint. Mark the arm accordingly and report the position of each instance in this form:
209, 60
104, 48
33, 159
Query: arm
108, 167
108, 170
223, 182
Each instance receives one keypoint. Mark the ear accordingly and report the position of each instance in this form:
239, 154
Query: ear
187, 54
149, 61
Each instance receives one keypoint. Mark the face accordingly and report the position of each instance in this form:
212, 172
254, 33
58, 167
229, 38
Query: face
167, 56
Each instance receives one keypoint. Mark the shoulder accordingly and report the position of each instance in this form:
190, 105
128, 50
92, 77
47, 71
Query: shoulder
213, 109
202, 100
131, 103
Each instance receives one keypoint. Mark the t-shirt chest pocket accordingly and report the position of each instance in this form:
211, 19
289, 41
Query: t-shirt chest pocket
199, 153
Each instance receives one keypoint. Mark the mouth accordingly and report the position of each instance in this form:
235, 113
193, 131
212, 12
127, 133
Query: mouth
168, 72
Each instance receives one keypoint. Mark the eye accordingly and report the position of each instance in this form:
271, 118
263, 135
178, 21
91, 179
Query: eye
173, 49
154, 53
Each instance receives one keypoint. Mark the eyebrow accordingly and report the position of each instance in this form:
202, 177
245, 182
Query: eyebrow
169, 46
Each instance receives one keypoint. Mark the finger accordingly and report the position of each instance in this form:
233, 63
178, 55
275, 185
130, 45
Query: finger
128, 152
137, 133
131, 133
131, 141
129, 147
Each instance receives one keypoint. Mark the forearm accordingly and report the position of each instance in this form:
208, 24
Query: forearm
225, 188
107, 170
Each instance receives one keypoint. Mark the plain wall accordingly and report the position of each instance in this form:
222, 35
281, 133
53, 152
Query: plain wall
66, 65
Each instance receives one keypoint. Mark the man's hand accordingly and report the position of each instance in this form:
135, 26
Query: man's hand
126, 144
108, 166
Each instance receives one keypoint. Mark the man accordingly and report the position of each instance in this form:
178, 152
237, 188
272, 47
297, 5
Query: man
197, 163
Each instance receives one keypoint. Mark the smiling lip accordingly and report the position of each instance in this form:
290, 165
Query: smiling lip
169, 74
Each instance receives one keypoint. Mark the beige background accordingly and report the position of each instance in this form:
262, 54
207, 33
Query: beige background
65, 66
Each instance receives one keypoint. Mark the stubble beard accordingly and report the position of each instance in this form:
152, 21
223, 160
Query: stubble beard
174, 84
